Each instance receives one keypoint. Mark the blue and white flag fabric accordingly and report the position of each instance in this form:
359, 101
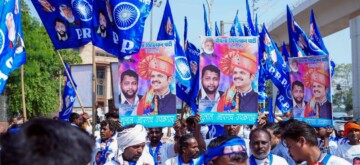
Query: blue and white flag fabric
68, 23
236, 29
118, 25
12, 48
185, 31
69, 95
215, 131
168, 31
256, 25
207, 28
271, 116
250, 26
217, 31
247, 31
284, 52
278, 71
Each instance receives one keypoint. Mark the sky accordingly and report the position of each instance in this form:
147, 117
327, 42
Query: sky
338, 44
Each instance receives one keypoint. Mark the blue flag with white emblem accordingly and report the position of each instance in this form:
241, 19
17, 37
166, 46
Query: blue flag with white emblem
168, 31
217, 31
68, 23
69, 96
118, 25
207, 28
12, 48
236, 29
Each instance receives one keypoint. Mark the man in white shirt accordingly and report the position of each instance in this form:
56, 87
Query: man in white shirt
260, 144
188, 152
159, 151
301, 140
351, 149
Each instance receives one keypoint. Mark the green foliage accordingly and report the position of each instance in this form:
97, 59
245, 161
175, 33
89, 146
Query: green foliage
342, 87
41, 71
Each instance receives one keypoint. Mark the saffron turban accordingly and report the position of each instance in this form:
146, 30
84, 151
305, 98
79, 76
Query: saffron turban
159, 63
238, 59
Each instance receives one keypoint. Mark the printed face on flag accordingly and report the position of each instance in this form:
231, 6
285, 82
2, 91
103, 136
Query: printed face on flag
169, 27
46, 6
310, 83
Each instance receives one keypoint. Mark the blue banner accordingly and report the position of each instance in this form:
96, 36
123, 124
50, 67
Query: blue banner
251, 27
69, 96
316, 122
217, 31
207, 28
230, 118
150, 121
271, 116
236, 29
118, 25
68, 23
215, 131
168, 31
12, 48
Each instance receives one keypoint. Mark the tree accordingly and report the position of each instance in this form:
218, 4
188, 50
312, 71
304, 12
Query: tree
41, 77
342, 87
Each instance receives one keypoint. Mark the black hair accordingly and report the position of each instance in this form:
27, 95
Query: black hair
58, 20
183, 142
259, 129
130, 73
159, 128
112, 115
112, 125
46, 141
294, 129
275, 127
218, 141
211, 68
73, 116
297, 83
356, 158
102, 12
190, 120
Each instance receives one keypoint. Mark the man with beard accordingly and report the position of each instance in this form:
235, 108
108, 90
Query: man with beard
208, 48
132, 142
46, 6
297, 91
159, 151
168, 27
60, 28
351, 149
188, 152
209, 94
159, 69
106, 146
101, 30
240, 96
66, 12
319, 106
260, 144
128, 98
301, 140
15, 39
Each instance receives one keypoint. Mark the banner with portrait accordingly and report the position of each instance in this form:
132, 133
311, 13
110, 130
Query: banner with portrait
311, 90
228, 80
147, 93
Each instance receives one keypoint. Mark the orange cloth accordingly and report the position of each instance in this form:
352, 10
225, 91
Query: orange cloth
315, 75
159, 63
238, 59
350, 126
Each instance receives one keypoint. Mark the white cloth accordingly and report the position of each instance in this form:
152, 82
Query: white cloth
348, 152
145, 159
277, 160
333, 160
131, 136
174, 161
166, 151
110, 154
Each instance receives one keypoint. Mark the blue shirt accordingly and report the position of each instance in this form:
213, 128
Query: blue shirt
282, 151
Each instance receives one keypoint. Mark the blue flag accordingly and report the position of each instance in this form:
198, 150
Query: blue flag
217, 31
12, 48
69, 96
315, 35
271, 116
284, 52
68, 23
168, 31
277, 69
185, 30
207, 28
251, 27
247, 31
236, 29
118, 25
256, 25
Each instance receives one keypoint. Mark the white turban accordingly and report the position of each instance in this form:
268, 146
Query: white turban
131, 136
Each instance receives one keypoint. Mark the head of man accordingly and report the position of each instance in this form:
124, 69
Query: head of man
60, 27
299, 137
46, 141
318, 81
190, 123
75, 119
274, 130
297, 91
102, 20
260, 143
129, 83
10, 25
155, 135
66, 12
14, 120
232, 130
169, 27
131, 142
294, 66
161, 68
352, 132
319, 91
209, 46
107, 129
356, 161
210, 78
340, 131
188, 147
226, 150
114, 117
242, 79
45, 3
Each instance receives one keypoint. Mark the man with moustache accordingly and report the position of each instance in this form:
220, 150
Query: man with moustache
66, 12
101, 30
208, 48
188, 152
128, 97
318, 106
297, 91
260, 144
210, 78
240, 96
60, 28
158, 99
106, 147
168, 27
46, 6
158, 150
350, 149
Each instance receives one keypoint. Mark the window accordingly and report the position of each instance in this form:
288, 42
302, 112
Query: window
100, 81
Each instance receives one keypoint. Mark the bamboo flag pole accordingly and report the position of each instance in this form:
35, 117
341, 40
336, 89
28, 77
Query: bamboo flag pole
23, 93
93, 89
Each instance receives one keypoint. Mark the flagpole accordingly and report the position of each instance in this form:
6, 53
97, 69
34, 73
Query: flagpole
23, 93
93, 89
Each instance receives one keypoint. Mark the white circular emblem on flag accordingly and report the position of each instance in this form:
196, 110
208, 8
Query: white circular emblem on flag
126, 15
83, 9
182, 68
2, 41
